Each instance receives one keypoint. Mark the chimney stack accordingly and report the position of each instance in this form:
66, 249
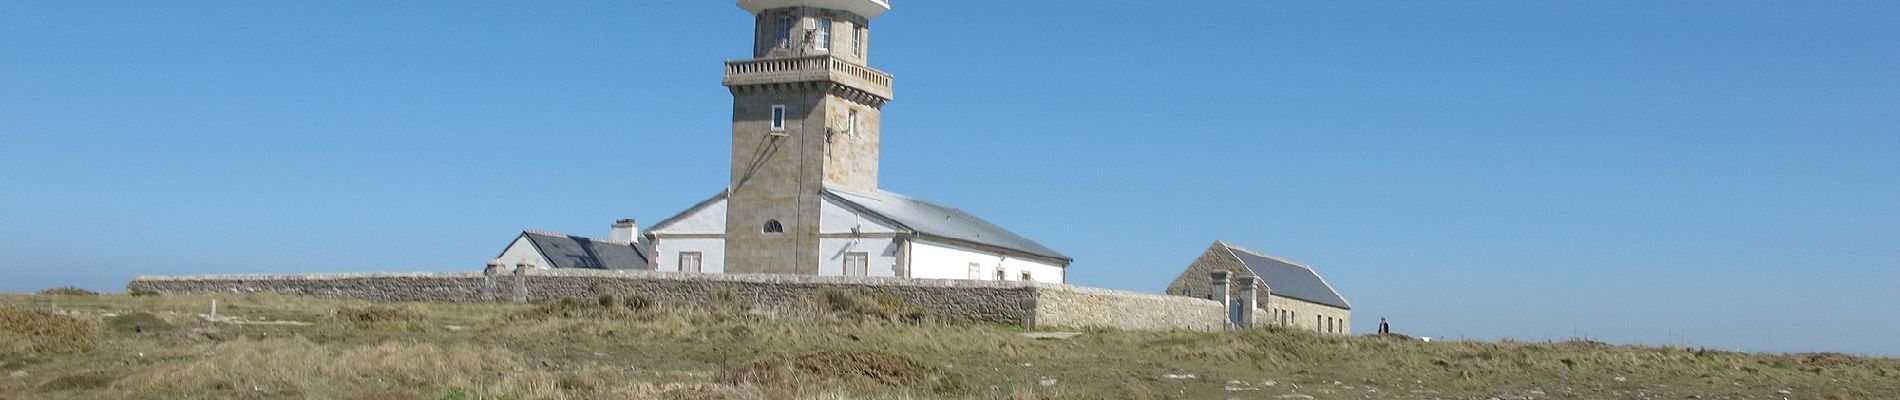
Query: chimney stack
625, 231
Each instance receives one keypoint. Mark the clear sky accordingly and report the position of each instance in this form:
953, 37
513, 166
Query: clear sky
1706, 173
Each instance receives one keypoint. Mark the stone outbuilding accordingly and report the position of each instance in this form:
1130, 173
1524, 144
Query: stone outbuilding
1292, 294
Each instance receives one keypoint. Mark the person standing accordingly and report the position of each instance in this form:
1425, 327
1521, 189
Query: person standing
1383, 327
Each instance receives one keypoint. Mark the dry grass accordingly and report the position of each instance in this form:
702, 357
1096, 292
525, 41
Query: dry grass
68, 291
832, 368
850, 348
29, 331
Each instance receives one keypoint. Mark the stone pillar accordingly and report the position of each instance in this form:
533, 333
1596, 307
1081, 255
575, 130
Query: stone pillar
1220, 290
1248, 301
488, 280
521, 282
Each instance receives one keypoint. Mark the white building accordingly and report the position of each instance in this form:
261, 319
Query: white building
880, 235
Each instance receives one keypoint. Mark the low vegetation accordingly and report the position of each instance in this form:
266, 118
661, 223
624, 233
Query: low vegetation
846, 346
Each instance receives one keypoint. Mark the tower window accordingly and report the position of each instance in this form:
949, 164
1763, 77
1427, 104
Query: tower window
852, 125
857, 40
784, 34
824, 34
778, 118
772, 226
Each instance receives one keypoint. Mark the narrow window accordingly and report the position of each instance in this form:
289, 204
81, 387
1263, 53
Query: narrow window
784, 38
772, 226
1318, 322
999, 274
857, 264
857, 40
976, 271
852, 125
778, 118
824, 34
1026, 277
689, 261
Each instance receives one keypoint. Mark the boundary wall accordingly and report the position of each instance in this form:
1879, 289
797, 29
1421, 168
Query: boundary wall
1028, 304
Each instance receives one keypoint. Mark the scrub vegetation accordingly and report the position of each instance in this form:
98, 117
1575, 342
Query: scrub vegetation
846, 346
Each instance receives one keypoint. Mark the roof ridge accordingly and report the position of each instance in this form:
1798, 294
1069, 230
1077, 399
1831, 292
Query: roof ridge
1231, 246
558, 234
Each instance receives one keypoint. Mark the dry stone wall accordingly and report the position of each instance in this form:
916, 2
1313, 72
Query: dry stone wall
1029, 304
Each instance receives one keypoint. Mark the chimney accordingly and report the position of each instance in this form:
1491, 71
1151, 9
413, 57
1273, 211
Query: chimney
625, 231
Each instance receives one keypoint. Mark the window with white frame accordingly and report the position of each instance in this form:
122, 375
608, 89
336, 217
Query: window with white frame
851, 126
690, 261
824, 34
976, 271
778, 118
857, 264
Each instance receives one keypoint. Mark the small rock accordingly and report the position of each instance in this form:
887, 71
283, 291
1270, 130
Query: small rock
1784, 391
1047, 382
1179, 376
1294, 396
1269, 383
18, 374
1028, 365
1622, 379
599, 354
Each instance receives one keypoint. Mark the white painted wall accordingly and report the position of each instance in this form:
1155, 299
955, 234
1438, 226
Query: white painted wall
882, 252
522, 251
712, 251
929, 260
833, 218
711, 219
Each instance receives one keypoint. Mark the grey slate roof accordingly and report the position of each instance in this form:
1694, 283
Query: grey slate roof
937, 220
1286, 278
567, 251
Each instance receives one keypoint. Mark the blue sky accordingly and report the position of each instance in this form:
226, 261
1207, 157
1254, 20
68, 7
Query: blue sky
1718, 174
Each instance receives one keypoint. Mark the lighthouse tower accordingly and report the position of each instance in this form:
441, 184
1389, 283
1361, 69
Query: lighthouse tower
805, 116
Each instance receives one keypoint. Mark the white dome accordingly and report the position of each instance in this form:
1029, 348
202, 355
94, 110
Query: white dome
869, 9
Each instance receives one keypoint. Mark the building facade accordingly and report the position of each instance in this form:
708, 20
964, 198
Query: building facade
1291, 295
803, 196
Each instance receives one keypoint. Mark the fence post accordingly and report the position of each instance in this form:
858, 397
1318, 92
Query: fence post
488, 280
1226, 305
521, 282
1248, 300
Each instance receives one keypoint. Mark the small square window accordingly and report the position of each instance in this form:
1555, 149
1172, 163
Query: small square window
778, 118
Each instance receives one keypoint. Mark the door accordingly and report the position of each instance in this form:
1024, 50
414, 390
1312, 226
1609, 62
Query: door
857, 264
1233, 311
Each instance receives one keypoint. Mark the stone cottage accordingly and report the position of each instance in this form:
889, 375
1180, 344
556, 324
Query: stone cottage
1292, 294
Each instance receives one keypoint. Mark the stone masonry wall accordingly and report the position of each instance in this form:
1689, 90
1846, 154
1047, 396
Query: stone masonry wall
1081, 307
1028, 304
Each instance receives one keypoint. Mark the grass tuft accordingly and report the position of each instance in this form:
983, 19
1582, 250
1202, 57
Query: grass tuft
379, 317
137, 322
869, 305
831, 368
27, 331
80, 381
68, 291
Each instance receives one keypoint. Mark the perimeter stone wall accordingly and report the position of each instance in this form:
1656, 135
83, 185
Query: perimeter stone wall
1028, 304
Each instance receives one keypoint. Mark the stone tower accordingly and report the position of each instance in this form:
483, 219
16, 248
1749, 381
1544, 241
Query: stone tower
805, 113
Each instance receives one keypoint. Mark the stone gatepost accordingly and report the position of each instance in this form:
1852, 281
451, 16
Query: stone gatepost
1248, 301
1227, 307
521, 282
488, 280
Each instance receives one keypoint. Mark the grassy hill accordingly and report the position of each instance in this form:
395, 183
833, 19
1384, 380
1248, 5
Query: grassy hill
261, 346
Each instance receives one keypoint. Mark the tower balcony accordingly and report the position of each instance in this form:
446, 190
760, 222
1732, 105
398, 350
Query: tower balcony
819, 68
